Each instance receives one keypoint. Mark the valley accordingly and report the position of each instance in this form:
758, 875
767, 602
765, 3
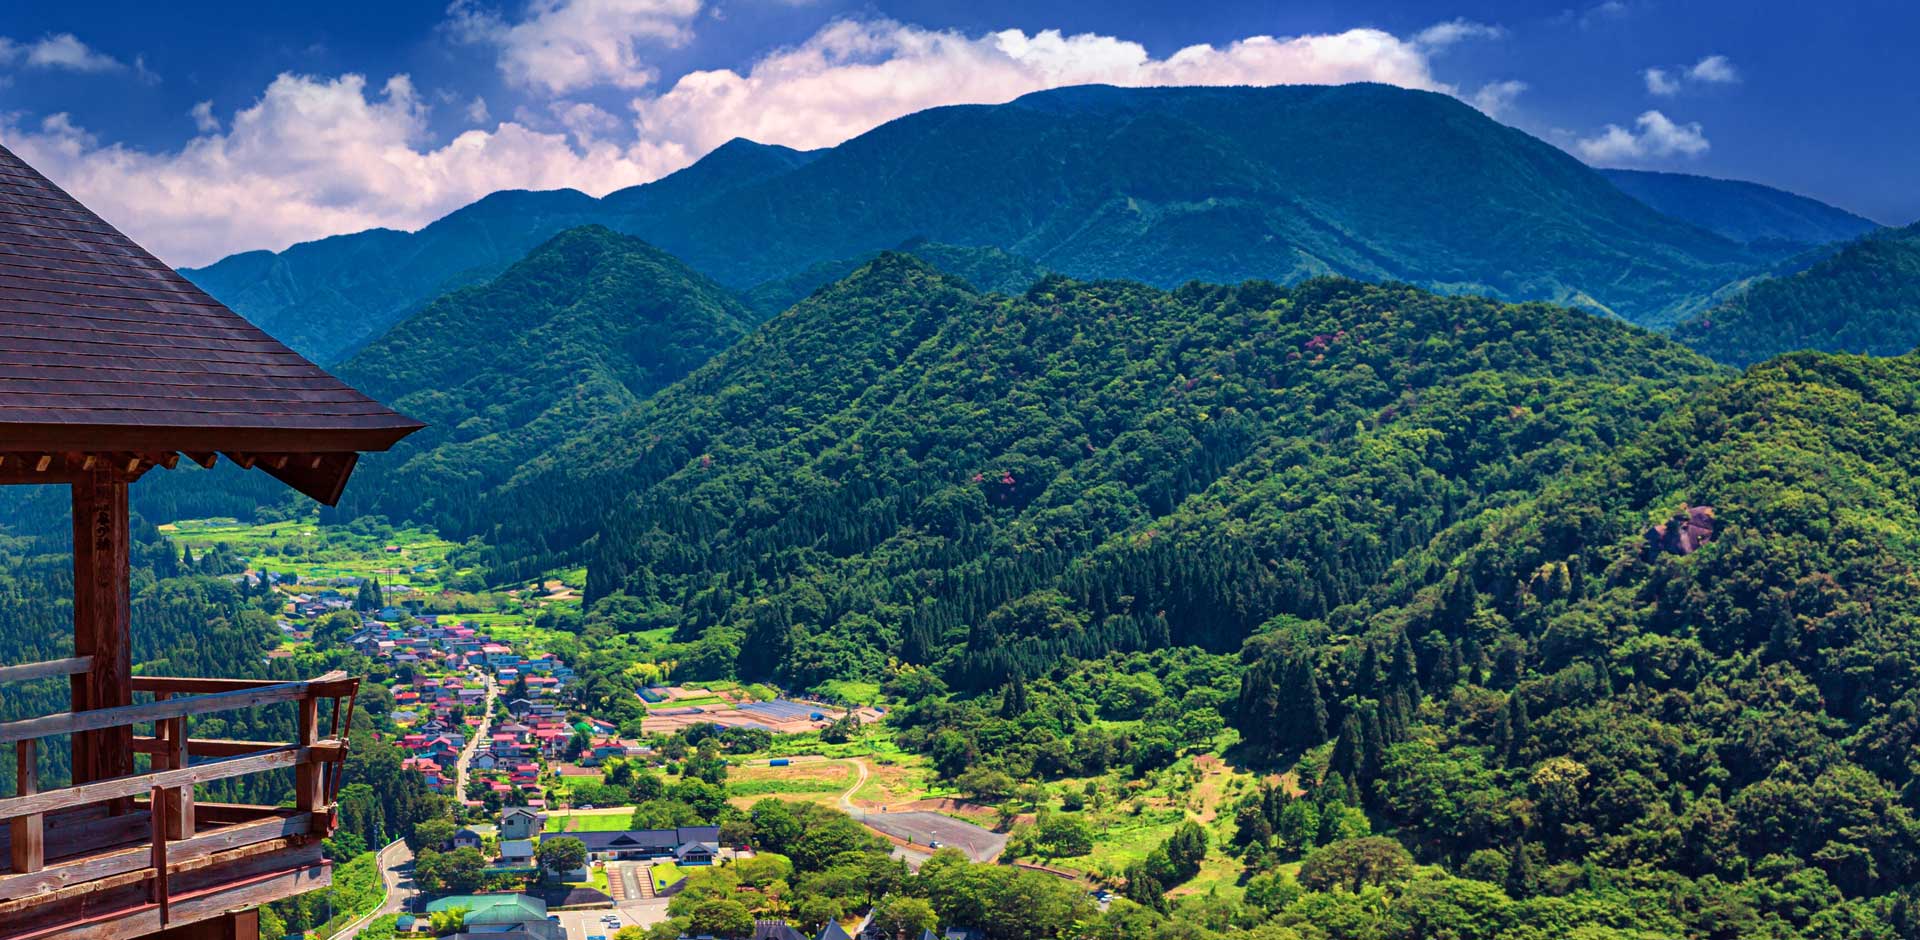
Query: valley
1114, 514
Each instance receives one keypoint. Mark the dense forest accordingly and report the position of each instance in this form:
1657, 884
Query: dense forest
588, 325
1864, 298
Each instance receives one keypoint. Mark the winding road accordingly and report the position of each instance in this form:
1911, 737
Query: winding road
396, 873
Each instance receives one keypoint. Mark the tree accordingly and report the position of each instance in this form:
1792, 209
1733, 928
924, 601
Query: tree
1352, 864
450, 921
562, 855
720, 917
435, 833
903, 915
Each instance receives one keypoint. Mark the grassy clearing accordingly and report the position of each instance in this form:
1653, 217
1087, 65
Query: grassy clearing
664, 875
843, 690
808, 777
610, 819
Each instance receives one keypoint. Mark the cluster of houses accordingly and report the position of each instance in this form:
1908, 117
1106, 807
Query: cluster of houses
437, 701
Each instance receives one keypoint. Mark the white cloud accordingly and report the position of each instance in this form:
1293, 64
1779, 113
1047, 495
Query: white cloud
59, 51
852, 76
1496, 98
1441, 35
564, 45
334, 154
1653, 136
321, 156
203, 119
1711, 70
1714, 69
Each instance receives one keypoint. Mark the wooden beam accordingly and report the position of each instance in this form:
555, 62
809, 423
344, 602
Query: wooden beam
27, 834
124, 716
325, 750
96, 867
119, 787
101, 614
178, 685
72, 665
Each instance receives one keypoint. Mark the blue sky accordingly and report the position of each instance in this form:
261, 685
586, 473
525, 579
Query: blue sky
206, 128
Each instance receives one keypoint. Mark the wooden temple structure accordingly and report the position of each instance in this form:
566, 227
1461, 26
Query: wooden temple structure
112, 365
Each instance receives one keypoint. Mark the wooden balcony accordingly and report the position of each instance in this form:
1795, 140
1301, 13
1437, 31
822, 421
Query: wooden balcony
135, 854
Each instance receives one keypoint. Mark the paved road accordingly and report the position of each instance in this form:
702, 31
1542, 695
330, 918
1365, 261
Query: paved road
920, 828
396, 871
480, 734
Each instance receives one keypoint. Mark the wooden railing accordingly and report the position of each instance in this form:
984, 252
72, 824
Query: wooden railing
98, 847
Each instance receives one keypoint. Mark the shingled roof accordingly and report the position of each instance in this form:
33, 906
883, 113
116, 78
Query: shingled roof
104, 349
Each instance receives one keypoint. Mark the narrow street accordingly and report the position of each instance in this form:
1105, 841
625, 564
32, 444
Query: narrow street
480, 734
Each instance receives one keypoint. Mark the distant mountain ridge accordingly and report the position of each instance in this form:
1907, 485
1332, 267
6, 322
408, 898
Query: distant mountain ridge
1771, 220
1162, 185
1863, 298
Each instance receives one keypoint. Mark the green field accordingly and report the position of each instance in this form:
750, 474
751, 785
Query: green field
612, 819
317, 553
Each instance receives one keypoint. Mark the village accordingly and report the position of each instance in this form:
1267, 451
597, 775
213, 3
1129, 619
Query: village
487, 721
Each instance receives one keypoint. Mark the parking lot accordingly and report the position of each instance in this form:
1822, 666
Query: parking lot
923, 828
583, 925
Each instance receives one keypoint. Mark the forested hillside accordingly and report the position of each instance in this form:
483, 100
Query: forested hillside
586, 326
1864, 298
900, 466
1162, 185
1771, 221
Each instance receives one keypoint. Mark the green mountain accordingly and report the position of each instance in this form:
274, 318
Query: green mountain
1162, 185
1503, 580
988, 270
587, 325
1863, 298
1771, 221
330, 297
924, 454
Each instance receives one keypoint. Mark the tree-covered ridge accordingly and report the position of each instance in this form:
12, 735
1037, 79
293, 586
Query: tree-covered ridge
1864, 298
902, 467
985, 269
589, 324
1557, 675
1770, 220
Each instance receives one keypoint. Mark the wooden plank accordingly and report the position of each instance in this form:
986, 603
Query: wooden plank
123, 861
124, 716
101, 617
119, 787
52, 667
27, 835
336, 682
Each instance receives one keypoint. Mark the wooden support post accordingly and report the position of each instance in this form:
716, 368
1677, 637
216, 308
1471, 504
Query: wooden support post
101, 612
28, 833
161, 896
179, 808
306, 790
